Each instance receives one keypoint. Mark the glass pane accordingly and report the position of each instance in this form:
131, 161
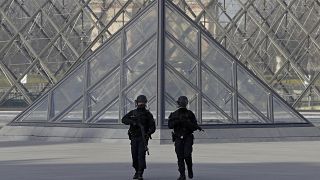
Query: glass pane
289, 84
182, 30
193, 104
4, 84
104, 93
38, 37
181, 61
68, 91
14, 99
147, 87
4, 37
143, 28
57, 61
68, 7
216, 60
105, 60
129, 104
169, 108
31, 5
75, 114
35, 82
16, 14
111, 116
282, 113
210, 115
140, 62
16, 58
311, 99
217, 92
176, 87
246, 115
250, 89
38, 113
67, 52
152, 106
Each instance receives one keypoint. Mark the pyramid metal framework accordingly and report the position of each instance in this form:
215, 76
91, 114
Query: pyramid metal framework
42, 40
277, 39
163, 54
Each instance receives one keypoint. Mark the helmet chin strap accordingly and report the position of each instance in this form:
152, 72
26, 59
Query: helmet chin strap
140, 104
182, 106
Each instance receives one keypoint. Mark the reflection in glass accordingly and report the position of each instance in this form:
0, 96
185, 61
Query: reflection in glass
210, 115
142, 29
111, 115
181, 61
176, 87
253, 91
217, 92
75, 114
105, 60
282, 114
146, 87
140, 62
216, 60
106, 91
247, 116
68, 91
38, 113
182, 30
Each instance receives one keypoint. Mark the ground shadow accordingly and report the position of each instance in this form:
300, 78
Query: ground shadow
5, 144
28, 170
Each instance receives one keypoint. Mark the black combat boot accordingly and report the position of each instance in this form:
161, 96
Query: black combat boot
135, 176
190, 173
140, 175
182, 177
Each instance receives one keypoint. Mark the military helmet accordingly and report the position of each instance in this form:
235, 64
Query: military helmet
182, 101
141, 99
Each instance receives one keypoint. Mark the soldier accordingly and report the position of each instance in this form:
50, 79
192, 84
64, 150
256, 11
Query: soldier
142, 125
184, 123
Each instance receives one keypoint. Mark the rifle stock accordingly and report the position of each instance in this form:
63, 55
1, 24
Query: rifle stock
143, 134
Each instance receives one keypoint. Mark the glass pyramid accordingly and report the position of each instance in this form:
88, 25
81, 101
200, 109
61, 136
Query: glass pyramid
163, 54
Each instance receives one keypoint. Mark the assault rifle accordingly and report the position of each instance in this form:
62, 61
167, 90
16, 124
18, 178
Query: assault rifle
143, 134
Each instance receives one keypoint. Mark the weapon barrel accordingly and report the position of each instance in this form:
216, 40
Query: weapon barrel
144, 138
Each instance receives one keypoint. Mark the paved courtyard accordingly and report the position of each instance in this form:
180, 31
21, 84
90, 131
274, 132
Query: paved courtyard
103, 161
